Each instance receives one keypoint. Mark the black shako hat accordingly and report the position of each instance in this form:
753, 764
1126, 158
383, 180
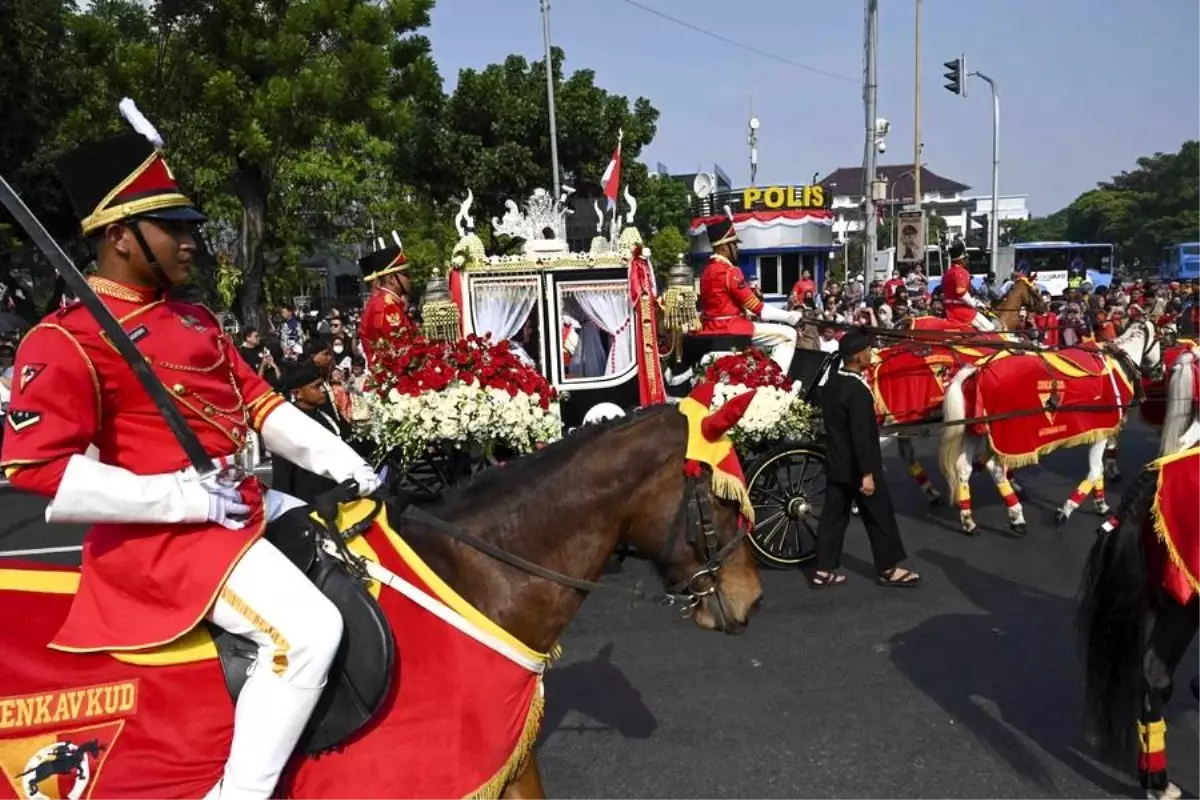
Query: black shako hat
301, 374
853, 343
721, 232
123, 177
389, 258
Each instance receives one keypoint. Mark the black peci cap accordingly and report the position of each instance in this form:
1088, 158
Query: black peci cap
853, 343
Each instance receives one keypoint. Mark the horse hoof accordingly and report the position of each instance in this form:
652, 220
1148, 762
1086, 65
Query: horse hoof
1019, 528
935, 499
1115, 478
1102, 509
1172, 792
1060, 518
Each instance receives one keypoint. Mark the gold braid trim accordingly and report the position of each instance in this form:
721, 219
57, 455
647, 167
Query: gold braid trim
1160, 524
518, 759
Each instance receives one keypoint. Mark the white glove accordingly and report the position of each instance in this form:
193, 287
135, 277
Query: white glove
795, 318
293, 435
224, 502
970, 300
770, 313
366, 479
94, 492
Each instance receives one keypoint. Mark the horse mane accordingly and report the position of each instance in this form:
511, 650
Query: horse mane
529, 469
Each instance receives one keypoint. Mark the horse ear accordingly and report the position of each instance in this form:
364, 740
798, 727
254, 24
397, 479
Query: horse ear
718, 424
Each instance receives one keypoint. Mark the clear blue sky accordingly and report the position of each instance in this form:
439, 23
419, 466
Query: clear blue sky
1087, 86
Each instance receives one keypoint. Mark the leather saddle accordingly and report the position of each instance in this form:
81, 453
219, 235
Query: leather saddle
362, 671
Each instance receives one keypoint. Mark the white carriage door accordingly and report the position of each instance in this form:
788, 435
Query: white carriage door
606, 305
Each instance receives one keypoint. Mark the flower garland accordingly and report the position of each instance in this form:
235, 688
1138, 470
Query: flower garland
777, 411
425, 393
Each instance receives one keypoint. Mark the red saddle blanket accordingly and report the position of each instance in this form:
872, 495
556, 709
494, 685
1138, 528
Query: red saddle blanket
1176, 521
1040, 402
1154, 408
460, 720
909, 380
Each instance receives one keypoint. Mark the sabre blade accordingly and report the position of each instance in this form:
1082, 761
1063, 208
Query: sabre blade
112, 329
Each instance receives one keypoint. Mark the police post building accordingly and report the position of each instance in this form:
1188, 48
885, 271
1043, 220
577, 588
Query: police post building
784, 230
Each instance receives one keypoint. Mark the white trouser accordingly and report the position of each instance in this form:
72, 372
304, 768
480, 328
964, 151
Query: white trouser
982, 323
297, 630
778, 340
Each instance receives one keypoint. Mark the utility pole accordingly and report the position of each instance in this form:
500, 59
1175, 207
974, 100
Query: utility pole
994, 214
869, 96
917, 111
550, 100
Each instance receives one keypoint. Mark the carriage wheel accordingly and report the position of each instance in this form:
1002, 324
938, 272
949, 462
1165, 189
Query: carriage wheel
787, 490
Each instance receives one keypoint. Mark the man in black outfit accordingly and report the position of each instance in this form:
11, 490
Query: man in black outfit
854, 473
305, 385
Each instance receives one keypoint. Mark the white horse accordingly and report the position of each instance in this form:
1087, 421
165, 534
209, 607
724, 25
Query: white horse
1141, 348
1181, 425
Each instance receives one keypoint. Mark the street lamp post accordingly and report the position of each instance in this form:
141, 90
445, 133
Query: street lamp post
993, 217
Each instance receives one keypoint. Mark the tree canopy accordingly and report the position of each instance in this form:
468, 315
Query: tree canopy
1141, 211
302, 125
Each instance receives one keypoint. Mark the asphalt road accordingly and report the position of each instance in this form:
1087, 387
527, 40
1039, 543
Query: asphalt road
965, 687
968, 686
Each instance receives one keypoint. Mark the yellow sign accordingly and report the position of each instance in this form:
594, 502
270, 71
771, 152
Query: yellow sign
781, 198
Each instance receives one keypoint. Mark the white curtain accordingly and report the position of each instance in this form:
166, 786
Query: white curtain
502, 308
608, 307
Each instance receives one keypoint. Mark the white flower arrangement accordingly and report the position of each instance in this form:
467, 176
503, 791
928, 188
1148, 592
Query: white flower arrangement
461, 415
773, 415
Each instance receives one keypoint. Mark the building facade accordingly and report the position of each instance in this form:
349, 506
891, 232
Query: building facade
942, 197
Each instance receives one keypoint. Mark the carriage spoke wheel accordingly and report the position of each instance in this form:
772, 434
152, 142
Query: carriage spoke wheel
787, 490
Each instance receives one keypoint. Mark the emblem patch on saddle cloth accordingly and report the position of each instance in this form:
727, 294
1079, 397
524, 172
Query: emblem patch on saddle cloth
1177, 522
53, 744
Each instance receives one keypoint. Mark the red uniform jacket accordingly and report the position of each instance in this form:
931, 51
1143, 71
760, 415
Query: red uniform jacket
956, 286
1047, 325
802, 287
143, 584
724, 295
383, 319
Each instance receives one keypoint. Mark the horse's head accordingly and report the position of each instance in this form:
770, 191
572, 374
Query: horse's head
1141, 344
1023, 292
696, 539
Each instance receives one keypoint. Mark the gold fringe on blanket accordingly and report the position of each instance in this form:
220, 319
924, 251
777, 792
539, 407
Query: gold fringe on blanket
728, 487
1160, 525
515, 765
1018, 460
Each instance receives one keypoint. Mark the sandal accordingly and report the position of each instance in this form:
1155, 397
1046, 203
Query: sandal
822, 579
899, 577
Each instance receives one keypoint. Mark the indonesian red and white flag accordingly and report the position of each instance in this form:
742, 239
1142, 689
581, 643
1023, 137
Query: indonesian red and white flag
611, 178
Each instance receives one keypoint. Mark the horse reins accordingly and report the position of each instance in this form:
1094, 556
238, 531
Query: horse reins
686, 593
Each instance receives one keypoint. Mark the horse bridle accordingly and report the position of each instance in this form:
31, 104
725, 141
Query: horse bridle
685, 595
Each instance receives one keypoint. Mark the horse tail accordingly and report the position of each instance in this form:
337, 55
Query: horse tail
1178, 414
1114, 596
954, 409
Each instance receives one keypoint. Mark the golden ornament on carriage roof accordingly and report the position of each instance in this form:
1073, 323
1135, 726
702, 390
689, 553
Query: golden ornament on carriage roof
681, 275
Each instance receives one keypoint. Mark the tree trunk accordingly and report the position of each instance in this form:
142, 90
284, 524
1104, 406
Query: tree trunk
250, 186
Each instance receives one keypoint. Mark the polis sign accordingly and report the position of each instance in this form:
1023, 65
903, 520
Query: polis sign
782, 198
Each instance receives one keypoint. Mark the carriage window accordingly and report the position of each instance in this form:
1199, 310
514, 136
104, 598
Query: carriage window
504, 309
597, 335
768, 274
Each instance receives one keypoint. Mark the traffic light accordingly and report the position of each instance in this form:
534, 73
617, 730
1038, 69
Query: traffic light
956, 75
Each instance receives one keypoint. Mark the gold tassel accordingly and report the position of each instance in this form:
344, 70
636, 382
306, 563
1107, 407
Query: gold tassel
439, 320
679, 309
516, 761
1019, 460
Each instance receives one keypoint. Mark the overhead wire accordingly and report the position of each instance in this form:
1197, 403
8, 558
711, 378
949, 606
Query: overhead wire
742, 45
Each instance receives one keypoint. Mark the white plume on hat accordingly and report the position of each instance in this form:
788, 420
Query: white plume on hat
137, 119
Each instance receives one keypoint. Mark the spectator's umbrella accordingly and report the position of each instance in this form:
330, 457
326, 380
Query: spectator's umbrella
11, 323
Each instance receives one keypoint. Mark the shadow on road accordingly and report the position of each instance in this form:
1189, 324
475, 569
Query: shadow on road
598, 690
1010, 674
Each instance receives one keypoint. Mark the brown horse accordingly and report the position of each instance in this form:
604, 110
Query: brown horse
1022, 294
564, 509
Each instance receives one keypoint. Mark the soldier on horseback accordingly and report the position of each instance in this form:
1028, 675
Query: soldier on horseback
725, 295
169, 547
385, 314
960, 304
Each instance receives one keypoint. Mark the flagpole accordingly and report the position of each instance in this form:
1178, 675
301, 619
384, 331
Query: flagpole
550, 100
